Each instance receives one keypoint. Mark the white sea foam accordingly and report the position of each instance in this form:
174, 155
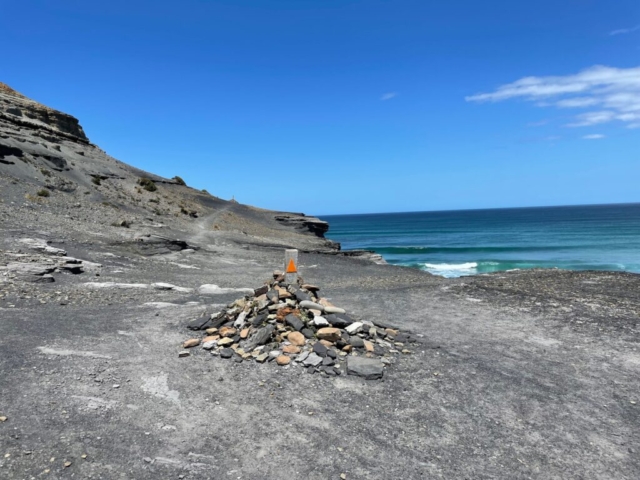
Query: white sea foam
451, 270
451, 266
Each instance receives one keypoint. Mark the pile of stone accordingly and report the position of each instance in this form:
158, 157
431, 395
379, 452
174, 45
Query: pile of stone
291, 324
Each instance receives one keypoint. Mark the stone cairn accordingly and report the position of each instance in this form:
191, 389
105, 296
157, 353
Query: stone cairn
291, 323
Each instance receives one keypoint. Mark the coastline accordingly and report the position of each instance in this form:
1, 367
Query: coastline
504, 360
471, 242
524, 374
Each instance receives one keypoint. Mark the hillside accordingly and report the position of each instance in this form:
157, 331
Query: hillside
47, 164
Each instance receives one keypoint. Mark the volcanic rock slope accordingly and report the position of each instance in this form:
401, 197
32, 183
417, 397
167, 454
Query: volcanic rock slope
531, 374
47, 164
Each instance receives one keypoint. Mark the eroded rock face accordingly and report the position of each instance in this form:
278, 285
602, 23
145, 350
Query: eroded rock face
304, 223
45, 150
19, 109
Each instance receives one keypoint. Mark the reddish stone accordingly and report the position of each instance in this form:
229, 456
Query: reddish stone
291, 349
296, 338
283, 360
192, 342
228, 331
329, 333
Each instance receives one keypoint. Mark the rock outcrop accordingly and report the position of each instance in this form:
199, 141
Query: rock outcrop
20, 110
46, 157
303, 223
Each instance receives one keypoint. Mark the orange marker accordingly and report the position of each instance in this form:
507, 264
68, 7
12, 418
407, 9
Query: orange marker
291, 268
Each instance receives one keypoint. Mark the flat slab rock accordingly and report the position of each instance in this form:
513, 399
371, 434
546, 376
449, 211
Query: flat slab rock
367, 368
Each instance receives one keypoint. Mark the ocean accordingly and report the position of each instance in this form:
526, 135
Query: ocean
471, 242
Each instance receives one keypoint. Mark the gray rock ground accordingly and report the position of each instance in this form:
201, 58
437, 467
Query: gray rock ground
519, 375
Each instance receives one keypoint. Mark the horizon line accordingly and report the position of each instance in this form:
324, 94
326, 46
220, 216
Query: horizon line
480, 209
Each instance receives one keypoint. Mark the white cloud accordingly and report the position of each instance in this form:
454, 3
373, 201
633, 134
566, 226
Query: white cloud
593, 118
594, 136
623, 31
576, 102
613, 92
388, 96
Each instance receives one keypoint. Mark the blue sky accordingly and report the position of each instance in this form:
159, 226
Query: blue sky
331, 107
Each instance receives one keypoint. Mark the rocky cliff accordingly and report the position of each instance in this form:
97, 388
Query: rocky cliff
47, 162
42, 121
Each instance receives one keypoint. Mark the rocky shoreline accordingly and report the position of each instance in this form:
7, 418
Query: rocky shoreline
528, 374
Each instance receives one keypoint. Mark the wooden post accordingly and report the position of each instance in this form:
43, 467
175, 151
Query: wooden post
291, 266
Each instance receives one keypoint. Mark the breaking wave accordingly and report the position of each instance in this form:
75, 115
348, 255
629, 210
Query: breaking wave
450, 270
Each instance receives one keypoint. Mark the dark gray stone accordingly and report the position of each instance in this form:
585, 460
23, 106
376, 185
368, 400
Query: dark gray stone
329, 371
272, 295
218, 320
226, 353
301, 296
332, 353
261, 291
384, 325
328, 362
337, 321
367, 368
356, 342
402, 337
307, 332
320, 349
294, 322
259, 337
337, 370
258, 319
199, 323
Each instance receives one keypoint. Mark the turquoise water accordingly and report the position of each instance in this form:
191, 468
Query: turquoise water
469, 242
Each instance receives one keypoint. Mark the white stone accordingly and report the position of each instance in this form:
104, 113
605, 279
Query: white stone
168, 286
311, 305
321, 322
354, 328
210, 289
334, 310
209, 345
240, 320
